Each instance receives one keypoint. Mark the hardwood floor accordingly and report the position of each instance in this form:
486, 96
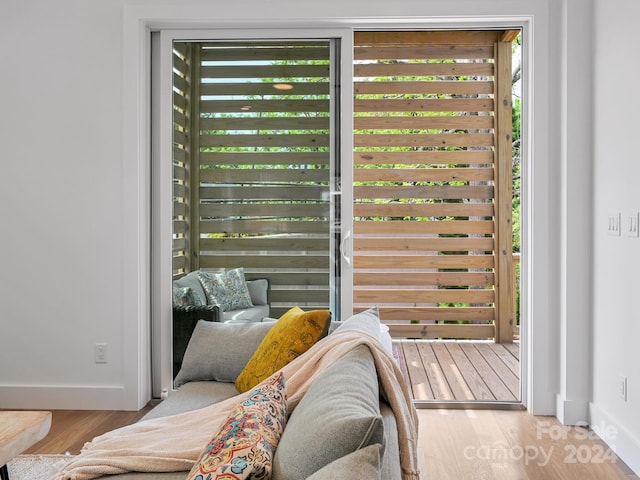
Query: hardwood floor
511, 445
460, 370
71, 429
454, 444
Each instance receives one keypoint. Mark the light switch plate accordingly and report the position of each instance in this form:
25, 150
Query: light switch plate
632, 224
613, 224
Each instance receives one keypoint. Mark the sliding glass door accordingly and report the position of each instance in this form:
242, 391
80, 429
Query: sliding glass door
264, 165
252, 168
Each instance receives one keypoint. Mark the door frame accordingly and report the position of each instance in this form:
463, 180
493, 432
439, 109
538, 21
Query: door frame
139, 22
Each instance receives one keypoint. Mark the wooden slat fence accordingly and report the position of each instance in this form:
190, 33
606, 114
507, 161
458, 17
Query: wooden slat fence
432, 174
182, 135
432, 145
261, 171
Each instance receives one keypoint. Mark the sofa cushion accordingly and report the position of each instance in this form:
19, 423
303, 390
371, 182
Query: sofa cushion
246, 315
339, 414
363, 464
192, 281
292, 335
192, 396
227, 289
220, 351
243, 447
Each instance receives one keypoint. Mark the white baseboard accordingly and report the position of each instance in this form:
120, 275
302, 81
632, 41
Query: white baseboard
56, 397
623, 442
571, 412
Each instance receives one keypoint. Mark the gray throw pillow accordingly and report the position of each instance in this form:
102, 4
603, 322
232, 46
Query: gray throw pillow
367, 321
339, 414
183, 297
363, 464
258, 289
192, 281
220, 351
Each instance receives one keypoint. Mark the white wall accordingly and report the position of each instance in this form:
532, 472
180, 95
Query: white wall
616, 326
61, 204
74, 195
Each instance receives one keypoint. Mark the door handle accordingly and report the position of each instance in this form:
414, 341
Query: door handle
345, 247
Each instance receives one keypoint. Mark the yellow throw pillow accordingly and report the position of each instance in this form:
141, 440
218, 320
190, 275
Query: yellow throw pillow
294, 333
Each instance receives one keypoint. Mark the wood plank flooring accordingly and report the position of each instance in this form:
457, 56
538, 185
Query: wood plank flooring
453, 445
460, 370
511, 445
71, 429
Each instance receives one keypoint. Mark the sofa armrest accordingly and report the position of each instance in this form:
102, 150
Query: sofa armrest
185, 319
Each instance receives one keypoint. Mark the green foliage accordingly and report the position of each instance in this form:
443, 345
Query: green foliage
516, 172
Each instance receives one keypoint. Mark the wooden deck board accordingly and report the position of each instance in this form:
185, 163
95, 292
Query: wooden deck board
459, 370
514, 348
506, 374
417, 374
498, 389
507, 357
452, 372
473, 378
439, 385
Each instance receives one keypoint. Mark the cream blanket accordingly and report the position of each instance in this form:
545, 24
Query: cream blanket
172, 444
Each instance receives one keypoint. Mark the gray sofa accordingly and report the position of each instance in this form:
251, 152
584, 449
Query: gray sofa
340, 429
189, 308
259, 290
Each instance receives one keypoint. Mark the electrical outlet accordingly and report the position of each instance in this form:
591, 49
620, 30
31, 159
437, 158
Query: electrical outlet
622, 387
633, 224
613, 224
101, 353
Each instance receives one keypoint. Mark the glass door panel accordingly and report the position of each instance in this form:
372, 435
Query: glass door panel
254, 165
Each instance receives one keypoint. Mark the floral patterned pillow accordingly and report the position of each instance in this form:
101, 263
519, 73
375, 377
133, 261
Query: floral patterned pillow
227, 289
245, 445
184, 296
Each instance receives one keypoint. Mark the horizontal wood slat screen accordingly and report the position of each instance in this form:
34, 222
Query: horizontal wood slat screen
252, 166
263, 166
425, 151
182, 156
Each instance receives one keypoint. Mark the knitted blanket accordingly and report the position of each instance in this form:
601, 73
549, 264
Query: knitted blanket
173, 443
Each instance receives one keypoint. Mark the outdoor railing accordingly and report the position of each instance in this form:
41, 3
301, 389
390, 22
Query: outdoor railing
473, 329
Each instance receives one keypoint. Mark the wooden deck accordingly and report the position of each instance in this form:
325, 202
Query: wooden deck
460, 370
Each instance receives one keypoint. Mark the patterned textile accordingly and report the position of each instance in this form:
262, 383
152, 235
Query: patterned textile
294, 333
245, 445
184, 296
227, 289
